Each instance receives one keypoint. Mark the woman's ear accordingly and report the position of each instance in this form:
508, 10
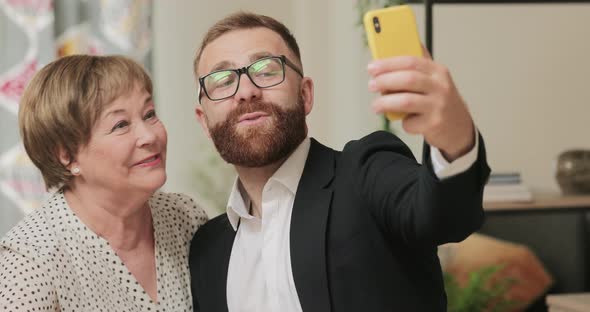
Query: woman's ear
64, 157
67, 161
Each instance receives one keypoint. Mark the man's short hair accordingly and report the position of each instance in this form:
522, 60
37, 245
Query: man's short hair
246, 20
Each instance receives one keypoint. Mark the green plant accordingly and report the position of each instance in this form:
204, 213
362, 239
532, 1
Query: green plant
484, 291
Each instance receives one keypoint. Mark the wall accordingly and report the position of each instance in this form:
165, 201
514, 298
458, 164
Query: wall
521, 68
524, 70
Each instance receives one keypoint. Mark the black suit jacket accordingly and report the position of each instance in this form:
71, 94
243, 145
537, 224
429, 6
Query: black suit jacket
365, 227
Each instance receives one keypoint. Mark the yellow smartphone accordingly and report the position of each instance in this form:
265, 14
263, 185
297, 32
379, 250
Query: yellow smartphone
392, 32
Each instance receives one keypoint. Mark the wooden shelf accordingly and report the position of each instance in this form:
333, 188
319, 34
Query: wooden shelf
541, 202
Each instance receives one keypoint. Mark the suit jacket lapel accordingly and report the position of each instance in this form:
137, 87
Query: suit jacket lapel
217, 269
308, 229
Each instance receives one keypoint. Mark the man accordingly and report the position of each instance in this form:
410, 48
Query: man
308, 228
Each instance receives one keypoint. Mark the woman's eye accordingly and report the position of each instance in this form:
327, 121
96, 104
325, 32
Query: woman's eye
120, 125
151, 114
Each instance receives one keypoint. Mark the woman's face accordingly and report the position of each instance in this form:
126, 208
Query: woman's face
127, 148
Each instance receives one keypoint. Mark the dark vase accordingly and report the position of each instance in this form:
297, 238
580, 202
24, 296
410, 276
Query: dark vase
573, 172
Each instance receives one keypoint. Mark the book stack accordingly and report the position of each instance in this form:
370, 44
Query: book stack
506, 187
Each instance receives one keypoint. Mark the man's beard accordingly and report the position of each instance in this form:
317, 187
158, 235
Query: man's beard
260, 145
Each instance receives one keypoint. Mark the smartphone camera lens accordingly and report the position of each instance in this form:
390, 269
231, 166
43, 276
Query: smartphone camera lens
376, 24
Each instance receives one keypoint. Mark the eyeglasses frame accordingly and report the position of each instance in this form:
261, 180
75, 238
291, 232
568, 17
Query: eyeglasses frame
244, 70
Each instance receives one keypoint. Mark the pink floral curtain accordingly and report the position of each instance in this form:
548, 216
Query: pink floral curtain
35, 32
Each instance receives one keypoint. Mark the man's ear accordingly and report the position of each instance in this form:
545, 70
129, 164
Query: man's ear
202, 118
307, 94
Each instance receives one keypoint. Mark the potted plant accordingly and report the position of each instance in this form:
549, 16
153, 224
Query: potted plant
483, 291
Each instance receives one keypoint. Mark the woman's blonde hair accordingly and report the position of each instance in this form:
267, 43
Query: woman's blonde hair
62, 103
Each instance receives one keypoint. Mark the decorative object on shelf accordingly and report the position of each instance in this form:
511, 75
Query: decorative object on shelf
362, 7
573, 172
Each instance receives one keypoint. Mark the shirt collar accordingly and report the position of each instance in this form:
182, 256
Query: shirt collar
237, 207
288, 175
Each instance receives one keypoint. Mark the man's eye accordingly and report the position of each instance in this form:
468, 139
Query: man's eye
221, 78
269, 73
225, 82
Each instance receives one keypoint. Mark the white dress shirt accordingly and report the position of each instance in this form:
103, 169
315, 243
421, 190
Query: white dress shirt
260, 277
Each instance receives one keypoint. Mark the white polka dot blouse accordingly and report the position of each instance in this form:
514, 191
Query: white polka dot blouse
51, 261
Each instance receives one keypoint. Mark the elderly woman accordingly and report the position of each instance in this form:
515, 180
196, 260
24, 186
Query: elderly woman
107, 239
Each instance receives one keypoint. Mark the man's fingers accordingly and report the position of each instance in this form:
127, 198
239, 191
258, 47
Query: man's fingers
401, 81
413, 63
415, 123
426, 53
400, 102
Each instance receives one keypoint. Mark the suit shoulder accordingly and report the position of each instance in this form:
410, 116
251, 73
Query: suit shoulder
378, 141
211, 230
209, 240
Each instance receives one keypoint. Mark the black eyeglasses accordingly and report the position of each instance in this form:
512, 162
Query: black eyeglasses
264, 73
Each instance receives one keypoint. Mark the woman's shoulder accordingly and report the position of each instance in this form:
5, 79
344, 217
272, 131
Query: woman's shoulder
27, 265
33, 236
30, 257
175, 200
177, 205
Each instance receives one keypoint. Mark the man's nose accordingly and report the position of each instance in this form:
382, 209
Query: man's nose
247, 90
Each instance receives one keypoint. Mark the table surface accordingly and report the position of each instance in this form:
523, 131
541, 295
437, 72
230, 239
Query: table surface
569, 302
541, 202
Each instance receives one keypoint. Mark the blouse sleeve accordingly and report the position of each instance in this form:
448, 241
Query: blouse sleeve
24, 284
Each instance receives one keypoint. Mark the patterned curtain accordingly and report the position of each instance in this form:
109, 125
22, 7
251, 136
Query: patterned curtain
32, 34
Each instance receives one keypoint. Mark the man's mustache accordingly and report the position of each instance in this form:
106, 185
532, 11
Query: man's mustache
251, 107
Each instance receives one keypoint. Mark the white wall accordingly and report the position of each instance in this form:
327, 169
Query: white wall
523, 70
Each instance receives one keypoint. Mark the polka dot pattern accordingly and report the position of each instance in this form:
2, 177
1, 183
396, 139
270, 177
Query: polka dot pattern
51, 261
